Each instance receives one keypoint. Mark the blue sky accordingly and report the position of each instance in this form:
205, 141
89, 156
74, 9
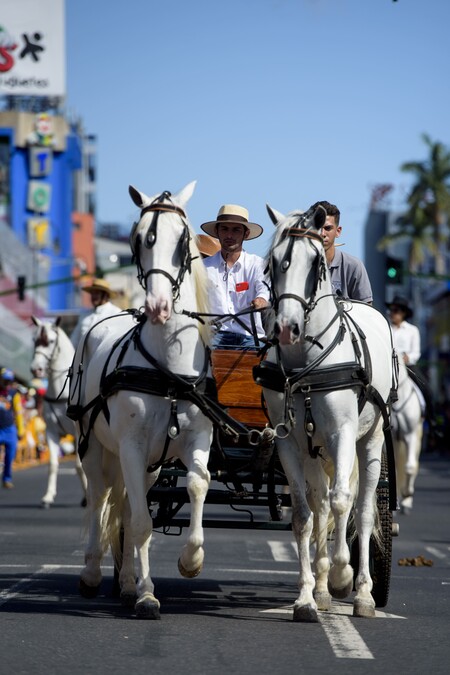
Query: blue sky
278, 101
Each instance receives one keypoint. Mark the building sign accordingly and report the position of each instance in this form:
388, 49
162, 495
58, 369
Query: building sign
32, 48
38, 233
40, 162
38, 196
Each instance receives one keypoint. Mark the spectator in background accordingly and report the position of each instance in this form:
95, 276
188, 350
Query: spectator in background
11, 422
101, 294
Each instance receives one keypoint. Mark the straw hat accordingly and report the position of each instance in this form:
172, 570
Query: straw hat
232, 213
100, 285
402, 302
207, 245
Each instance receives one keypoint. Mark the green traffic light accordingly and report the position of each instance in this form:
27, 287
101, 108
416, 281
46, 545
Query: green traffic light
392, 272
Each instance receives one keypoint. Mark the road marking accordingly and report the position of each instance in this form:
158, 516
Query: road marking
18, 587
337, 608
344, 639
281, 551
436, 552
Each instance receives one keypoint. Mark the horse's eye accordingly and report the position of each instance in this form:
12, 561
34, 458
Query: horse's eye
285, 265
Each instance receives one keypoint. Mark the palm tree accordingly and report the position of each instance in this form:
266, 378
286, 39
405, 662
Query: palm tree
426, 221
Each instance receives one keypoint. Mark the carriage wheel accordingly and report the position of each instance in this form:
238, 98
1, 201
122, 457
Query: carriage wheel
380, 553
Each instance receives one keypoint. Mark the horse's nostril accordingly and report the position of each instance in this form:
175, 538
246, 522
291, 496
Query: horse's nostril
296, 330
276, 328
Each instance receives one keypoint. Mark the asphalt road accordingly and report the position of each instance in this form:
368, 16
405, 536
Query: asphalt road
234, 618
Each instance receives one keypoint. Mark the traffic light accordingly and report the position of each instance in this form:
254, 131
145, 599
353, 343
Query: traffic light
21, 287
394, 270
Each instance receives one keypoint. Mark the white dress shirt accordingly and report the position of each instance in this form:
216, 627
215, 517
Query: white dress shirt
86, 322
232, 289
406, 339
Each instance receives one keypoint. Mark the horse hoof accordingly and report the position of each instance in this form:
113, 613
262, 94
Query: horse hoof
323, 601
87, 591
188, 574
128, 599
45, 505
363, 609
305, 614
147, 607
341, 593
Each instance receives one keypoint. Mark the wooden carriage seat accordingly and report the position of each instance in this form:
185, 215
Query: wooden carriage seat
237, 390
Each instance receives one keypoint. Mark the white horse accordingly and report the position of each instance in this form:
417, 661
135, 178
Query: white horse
407, 426
321, 385
52, 358
142, 380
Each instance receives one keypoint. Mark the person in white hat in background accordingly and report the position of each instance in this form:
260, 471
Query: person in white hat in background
101, 294
237, 280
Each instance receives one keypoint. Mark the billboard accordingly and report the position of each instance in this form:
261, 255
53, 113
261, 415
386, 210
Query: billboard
32, 48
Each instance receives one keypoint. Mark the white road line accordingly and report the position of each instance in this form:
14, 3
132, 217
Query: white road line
343, 637
436, 552
18, 587
281, 551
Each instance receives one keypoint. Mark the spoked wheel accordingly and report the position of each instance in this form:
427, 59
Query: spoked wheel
380, 551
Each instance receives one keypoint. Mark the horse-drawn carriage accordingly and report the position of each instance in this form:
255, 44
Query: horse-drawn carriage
157, 430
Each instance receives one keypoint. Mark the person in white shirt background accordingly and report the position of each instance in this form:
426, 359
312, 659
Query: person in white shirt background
406, 339
101, 294
237, 280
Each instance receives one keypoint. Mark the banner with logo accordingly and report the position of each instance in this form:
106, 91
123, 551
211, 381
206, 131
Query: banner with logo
32, 48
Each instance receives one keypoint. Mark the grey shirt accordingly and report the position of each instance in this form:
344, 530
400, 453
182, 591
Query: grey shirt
349, 277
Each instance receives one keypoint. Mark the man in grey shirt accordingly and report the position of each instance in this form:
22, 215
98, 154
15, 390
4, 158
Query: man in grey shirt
349, 277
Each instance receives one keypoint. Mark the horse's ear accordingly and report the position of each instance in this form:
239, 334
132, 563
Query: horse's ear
57, 321
138, 197
320, 217
274, 215
36, 321
183, 196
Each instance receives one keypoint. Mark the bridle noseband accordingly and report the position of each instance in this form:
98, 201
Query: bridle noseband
158, 206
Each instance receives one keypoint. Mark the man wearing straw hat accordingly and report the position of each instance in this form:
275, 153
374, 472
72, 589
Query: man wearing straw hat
101, 294
237, 280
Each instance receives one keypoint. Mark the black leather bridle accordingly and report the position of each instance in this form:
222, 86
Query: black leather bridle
298, 231
159, 205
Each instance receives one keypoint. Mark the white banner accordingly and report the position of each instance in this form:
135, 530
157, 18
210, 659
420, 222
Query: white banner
32, 48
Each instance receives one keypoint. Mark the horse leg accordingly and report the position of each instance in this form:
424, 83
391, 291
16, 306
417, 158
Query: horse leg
53, 467
319, 501
190, 562
369, 457
97, 492
305, 606
141, 526
413, 443
340, 578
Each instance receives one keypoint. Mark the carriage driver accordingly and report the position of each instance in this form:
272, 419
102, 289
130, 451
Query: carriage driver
237, 280
349, 277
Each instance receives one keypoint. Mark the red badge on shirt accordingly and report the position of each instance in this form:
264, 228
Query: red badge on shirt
242, 286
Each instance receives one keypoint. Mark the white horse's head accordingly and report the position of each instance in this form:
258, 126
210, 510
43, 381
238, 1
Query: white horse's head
161, 245
297, 268
52, 349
